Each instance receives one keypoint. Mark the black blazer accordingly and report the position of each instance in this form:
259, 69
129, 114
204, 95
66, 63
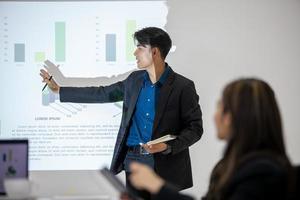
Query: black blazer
177, 112
258, 178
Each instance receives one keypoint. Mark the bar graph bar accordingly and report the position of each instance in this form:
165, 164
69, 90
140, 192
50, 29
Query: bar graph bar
19, 52
130, 47
48, 97
39, 56
110, 46
60, 41
45, 97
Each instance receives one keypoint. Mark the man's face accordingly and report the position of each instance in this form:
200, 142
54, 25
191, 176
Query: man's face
143, 55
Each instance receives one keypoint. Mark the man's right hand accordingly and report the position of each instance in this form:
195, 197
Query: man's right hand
51, 83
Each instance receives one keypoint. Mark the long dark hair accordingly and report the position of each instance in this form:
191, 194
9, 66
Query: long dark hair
255, 127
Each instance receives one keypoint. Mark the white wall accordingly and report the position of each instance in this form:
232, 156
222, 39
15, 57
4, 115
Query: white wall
218, 41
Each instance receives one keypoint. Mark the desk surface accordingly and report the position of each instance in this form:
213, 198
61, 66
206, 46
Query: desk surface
101, 197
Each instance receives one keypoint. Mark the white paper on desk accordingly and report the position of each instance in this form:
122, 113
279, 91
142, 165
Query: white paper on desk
162, 139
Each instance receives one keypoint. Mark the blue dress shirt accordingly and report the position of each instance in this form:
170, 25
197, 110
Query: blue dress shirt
143, 118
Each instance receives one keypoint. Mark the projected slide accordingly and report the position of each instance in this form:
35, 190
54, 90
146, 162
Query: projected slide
87, 40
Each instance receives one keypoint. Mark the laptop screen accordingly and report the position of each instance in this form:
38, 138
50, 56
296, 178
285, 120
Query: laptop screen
13, 160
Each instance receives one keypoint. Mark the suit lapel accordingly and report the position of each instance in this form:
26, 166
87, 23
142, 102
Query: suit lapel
163, 99
135, 93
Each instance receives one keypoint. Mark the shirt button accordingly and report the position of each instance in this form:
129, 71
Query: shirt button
147, 114
148, 100
145, 127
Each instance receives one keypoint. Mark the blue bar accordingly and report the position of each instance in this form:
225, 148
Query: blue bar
110, 47
45, 97
19, 52
51, 97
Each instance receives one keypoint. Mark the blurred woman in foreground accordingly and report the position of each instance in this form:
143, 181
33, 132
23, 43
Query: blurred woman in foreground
254, 165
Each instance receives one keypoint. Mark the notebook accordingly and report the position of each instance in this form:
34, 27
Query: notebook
162, 139
13, 160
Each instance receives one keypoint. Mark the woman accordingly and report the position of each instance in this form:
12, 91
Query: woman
255, 164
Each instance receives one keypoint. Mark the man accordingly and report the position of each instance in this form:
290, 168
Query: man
156, 102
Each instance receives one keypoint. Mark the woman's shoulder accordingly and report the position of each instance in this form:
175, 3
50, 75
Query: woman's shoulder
260, 175
262, 163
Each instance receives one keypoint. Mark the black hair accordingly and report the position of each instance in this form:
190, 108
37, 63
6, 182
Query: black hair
155, 37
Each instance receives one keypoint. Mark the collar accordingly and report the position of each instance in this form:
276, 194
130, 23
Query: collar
162, 78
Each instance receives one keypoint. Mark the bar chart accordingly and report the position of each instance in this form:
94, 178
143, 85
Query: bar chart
111, 45
40, 56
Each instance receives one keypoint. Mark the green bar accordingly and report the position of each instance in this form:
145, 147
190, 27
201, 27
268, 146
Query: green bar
60, 41
130, 47
40, 56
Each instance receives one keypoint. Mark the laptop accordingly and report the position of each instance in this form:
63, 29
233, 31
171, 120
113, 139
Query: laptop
117, 184
13, 160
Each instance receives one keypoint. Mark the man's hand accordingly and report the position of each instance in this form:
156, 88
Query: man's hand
143, 177
155, 148
51, 83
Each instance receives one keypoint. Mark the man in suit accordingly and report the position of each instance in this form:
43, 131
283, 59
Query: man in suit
156, 102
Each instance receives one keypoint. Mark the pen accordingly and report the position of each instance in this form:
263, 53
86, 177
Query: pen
49, 80
46, 84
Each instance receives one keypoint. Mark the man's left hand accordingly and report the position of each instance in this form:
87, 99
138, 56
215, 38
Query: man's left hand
155, 148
